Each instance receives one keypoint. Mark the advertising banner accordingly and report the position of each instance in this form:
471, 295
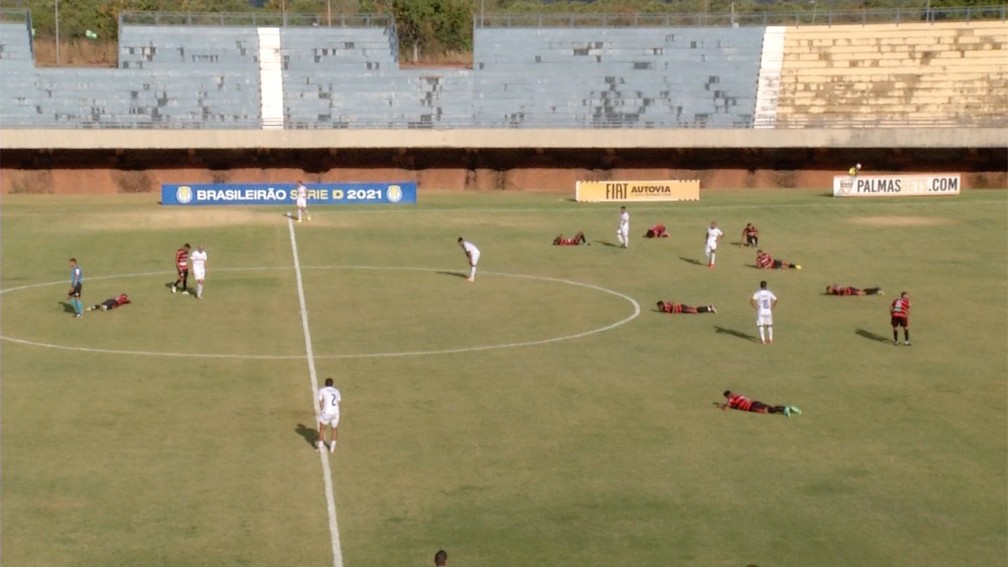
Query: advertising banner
285, 193
666, 190
904, 185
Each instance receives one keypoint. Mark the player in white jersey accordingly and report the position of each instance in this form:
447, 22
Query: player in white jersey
329, 414
710, 250
472, 254
198, 263
623, 229
764, 301
302, 202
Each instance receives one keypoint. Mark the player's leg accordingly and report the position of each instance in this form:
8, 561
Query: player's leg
906, 332
334, 425
762, 331
895, 331
320, 442
770, 333
185, 281
713, 256
199, 288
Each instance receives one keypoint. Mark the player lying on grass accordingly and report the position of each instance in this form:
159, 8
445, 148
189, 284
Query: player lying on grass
672, 307
579, 238
110, 303
656, 231
740, 402
765, 261
847, 290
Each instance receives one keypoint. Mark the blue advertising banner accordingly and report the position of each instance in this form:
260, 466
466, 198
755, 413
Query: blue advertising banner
286, 193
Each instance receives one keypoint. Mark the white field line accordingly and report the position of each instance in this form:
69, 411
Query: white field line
621, 322
323, 454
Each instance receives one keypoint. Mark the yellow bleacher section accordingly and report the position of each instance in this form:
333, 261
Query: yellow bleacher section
895, 74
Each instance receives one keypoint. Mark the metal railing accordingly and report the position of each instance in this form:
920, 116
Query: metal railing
812, 16
272, 19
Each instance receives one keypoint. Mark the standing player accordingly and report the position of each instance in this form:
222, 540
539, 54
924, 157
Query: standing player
198, 261
329, 414
182, 266
76, 283
764, 301
472, 254
740, 402
302, 201
623, 228
899, 313
711, 238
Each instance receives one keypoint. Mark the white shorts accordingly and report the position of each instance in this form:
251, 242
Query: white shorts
764, 320
302, 203
329, 419
710, 248
474, 258
199, 274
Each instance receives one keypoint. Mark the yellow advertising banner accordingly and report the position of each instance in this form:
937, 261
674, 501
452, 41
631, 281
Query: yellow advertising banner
665, 190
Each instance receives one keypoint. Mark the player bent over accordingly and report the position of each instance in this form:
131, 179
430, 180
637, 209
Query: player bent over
472, 254
765, 261
750, 235
899, 313
656, 231
329, 415
848, 290
579, 238
672, 307
740, 402
110, 303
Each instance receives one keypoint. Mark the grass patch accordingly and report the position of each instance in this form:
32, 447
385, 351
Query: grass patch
193, 445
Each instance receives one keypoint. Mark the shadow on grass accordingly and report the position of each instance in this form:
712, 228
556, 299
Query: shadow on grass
309, 434
735, 333
609, 244
455, 274
693, 261
67, 307
870, 335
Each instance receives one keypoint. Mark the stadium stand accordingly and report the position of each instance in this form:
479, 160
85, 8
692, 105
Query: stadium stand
616, 77
304, 77
894, 75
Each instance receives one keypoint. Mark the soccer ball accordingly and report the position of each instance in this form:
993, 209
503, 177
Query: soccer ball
858, 166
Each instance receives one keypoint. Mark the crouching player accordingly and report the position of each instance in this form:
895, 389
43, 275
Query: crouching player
740, 402
110, 303
579, 238
672, 307
765, 261
847, 290
656, 231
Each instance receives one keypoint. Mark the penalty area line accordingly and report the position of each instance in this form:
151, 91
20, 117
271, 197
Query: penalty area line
323, 454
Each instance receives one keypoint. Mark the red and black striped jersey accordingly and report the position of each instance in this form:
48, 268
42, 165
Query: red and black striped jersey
182, 258
764, 261
738, 401
900, 307
669, 307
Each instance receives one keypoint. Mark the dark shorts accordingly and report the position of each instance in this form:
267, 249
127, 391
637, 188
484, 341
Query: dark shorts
183, 272
901, 322
76, 291
759, 407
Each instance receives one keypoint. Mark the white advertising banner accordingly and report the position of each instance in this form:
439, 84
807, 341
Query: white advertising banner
663, 190
904, 185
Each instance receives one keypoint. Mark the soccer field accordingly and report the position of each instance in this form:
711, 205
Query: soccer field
545, 414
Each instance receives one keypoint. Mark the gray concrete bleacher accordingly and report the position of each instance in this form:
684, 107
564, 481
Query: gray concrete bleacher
618, 77
348, 77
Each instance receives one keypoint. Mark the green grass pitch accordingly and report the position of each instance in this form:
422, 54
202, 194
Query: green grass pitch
530, 418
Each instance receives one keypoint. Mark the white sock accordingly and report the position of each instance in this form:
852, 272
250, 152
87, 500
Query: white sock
713, 258
472, 272
199, 289
770, 333
762, 336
